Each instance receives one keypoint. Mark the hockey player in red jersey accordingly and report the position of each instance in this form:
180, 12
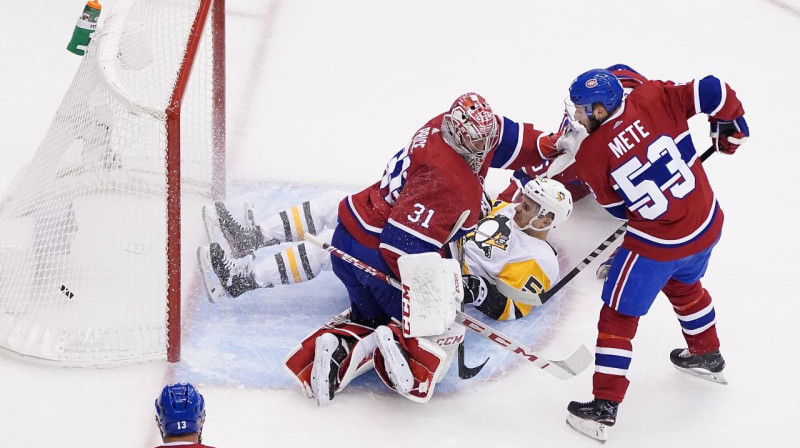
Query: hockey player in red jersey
641, 165
416, 208
630, 79
180, 414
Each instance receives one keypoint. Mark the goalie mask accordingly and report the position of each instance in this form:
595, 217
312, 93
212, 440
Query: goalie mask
552, 197
471, 129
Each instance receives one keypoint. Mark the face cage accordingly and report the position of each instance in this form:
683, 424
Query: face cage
454, 136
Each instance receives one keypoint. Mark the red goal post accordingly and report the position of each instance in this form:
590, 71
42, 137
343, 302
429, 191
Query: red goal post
91, 228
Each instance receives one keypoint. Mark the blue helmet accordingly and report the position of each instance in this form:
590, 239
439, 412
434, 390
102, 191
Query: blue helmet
596, 86
180, 410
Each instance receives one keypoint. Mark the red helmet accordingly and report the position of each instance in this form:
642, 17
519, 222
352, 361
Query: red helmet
471, 128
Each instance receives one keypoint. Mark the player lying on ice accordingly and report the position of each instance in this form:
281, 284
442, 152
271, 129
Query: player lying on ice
429, 196
508, 246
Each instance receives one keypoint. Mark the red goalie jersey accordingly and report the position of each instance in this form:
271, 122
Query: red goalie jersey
426, 187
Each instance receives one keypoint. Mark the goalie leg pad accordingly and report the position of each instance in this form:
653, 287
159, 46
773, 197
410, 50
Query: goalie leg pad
329, 352
449, 341
424, 360
300, 362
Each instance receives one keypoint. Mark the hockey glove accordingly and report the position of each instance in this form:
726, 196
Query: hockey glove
732, 133
486, 205
547, 146
475, 289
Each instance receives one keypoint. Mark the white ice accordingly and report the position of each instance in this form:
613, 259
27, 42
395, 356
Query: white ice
321, 94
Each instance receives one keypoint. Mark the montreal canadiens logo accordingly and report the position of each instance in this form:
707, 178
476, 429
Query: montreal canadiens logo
591, 83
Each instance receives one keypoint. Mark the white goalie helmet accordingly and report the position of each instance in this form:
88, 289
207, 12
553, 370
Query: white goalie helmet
552, 197
471, 129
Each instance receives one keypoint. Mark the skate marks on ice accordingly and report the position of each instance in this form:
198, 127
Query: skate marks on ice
243, 342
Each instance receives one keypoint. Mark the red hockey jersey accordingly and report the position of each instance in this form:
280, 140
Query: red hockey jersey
425, 188
642, 166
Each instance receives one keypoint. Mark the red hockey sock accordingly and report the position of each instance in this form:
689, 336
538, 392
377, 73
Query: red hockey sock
613, 354
695, 312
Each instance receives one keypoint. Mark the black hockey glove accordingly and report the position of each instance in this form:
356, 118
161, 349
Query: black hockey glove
475, 289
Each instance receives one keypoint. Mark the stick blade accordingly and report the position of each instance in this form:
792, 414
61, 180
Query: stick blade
572, 366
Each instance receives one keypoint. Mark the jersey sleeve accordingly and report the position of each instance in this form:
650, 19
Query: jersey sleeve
425, 214
524, 276
499, 307
518, 146
708, 95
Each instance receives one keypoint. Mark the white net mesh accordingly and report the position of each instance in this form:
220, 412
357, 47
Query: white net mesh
83, 270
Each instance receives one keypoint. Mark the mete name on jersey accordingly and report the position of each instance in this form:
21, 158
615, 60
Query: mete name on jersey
622, 144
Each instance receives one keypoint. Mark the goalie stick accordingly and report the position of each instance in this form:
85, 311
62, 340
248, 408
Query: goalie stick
464, 372
564, 369
530, 298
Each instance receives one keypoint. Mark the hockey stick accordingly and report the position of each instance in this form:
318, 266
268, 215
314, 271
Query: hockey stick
529, 298
564, 369
464, 372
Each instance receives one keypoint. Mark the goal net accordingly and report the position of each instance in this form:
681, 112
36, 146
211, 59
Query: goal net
90, 229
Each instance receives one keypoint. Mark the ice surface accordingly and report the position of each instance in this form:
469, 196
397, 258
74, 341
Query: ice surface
322, 93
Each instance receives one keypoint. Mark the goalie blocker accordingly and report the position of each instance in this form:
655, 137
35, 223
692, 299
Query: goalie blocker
409, 357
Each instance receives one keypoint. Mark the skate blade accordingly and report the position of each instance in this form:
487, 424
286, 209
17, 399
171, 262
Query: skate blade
589, 428
209, 223
718, 377
213, 286
403, 380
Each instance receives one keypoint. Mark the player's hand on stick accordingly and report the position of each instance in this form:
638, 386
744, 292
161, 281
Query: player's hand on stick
475, 289
727, 136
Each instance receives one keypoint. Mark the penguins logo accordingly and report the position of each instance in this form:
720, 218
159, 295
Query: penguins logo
492, 232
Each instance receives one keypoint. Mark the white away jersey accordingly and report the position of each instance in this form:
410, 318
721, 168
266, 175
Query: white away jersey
499, 250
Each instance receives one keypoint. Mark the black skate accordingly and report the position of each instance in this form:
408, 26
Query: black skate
222, 275
329, 352
592, 418
243, 240
708, 366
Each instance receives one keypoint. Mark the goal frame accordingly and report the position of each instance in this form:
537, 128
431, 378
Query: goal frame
216, 8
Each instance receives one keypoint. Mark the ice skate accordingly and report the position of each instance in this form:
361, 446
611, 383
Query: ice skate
708, 366
592, 419
329, 352
242, 240
223, 275
395, 360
